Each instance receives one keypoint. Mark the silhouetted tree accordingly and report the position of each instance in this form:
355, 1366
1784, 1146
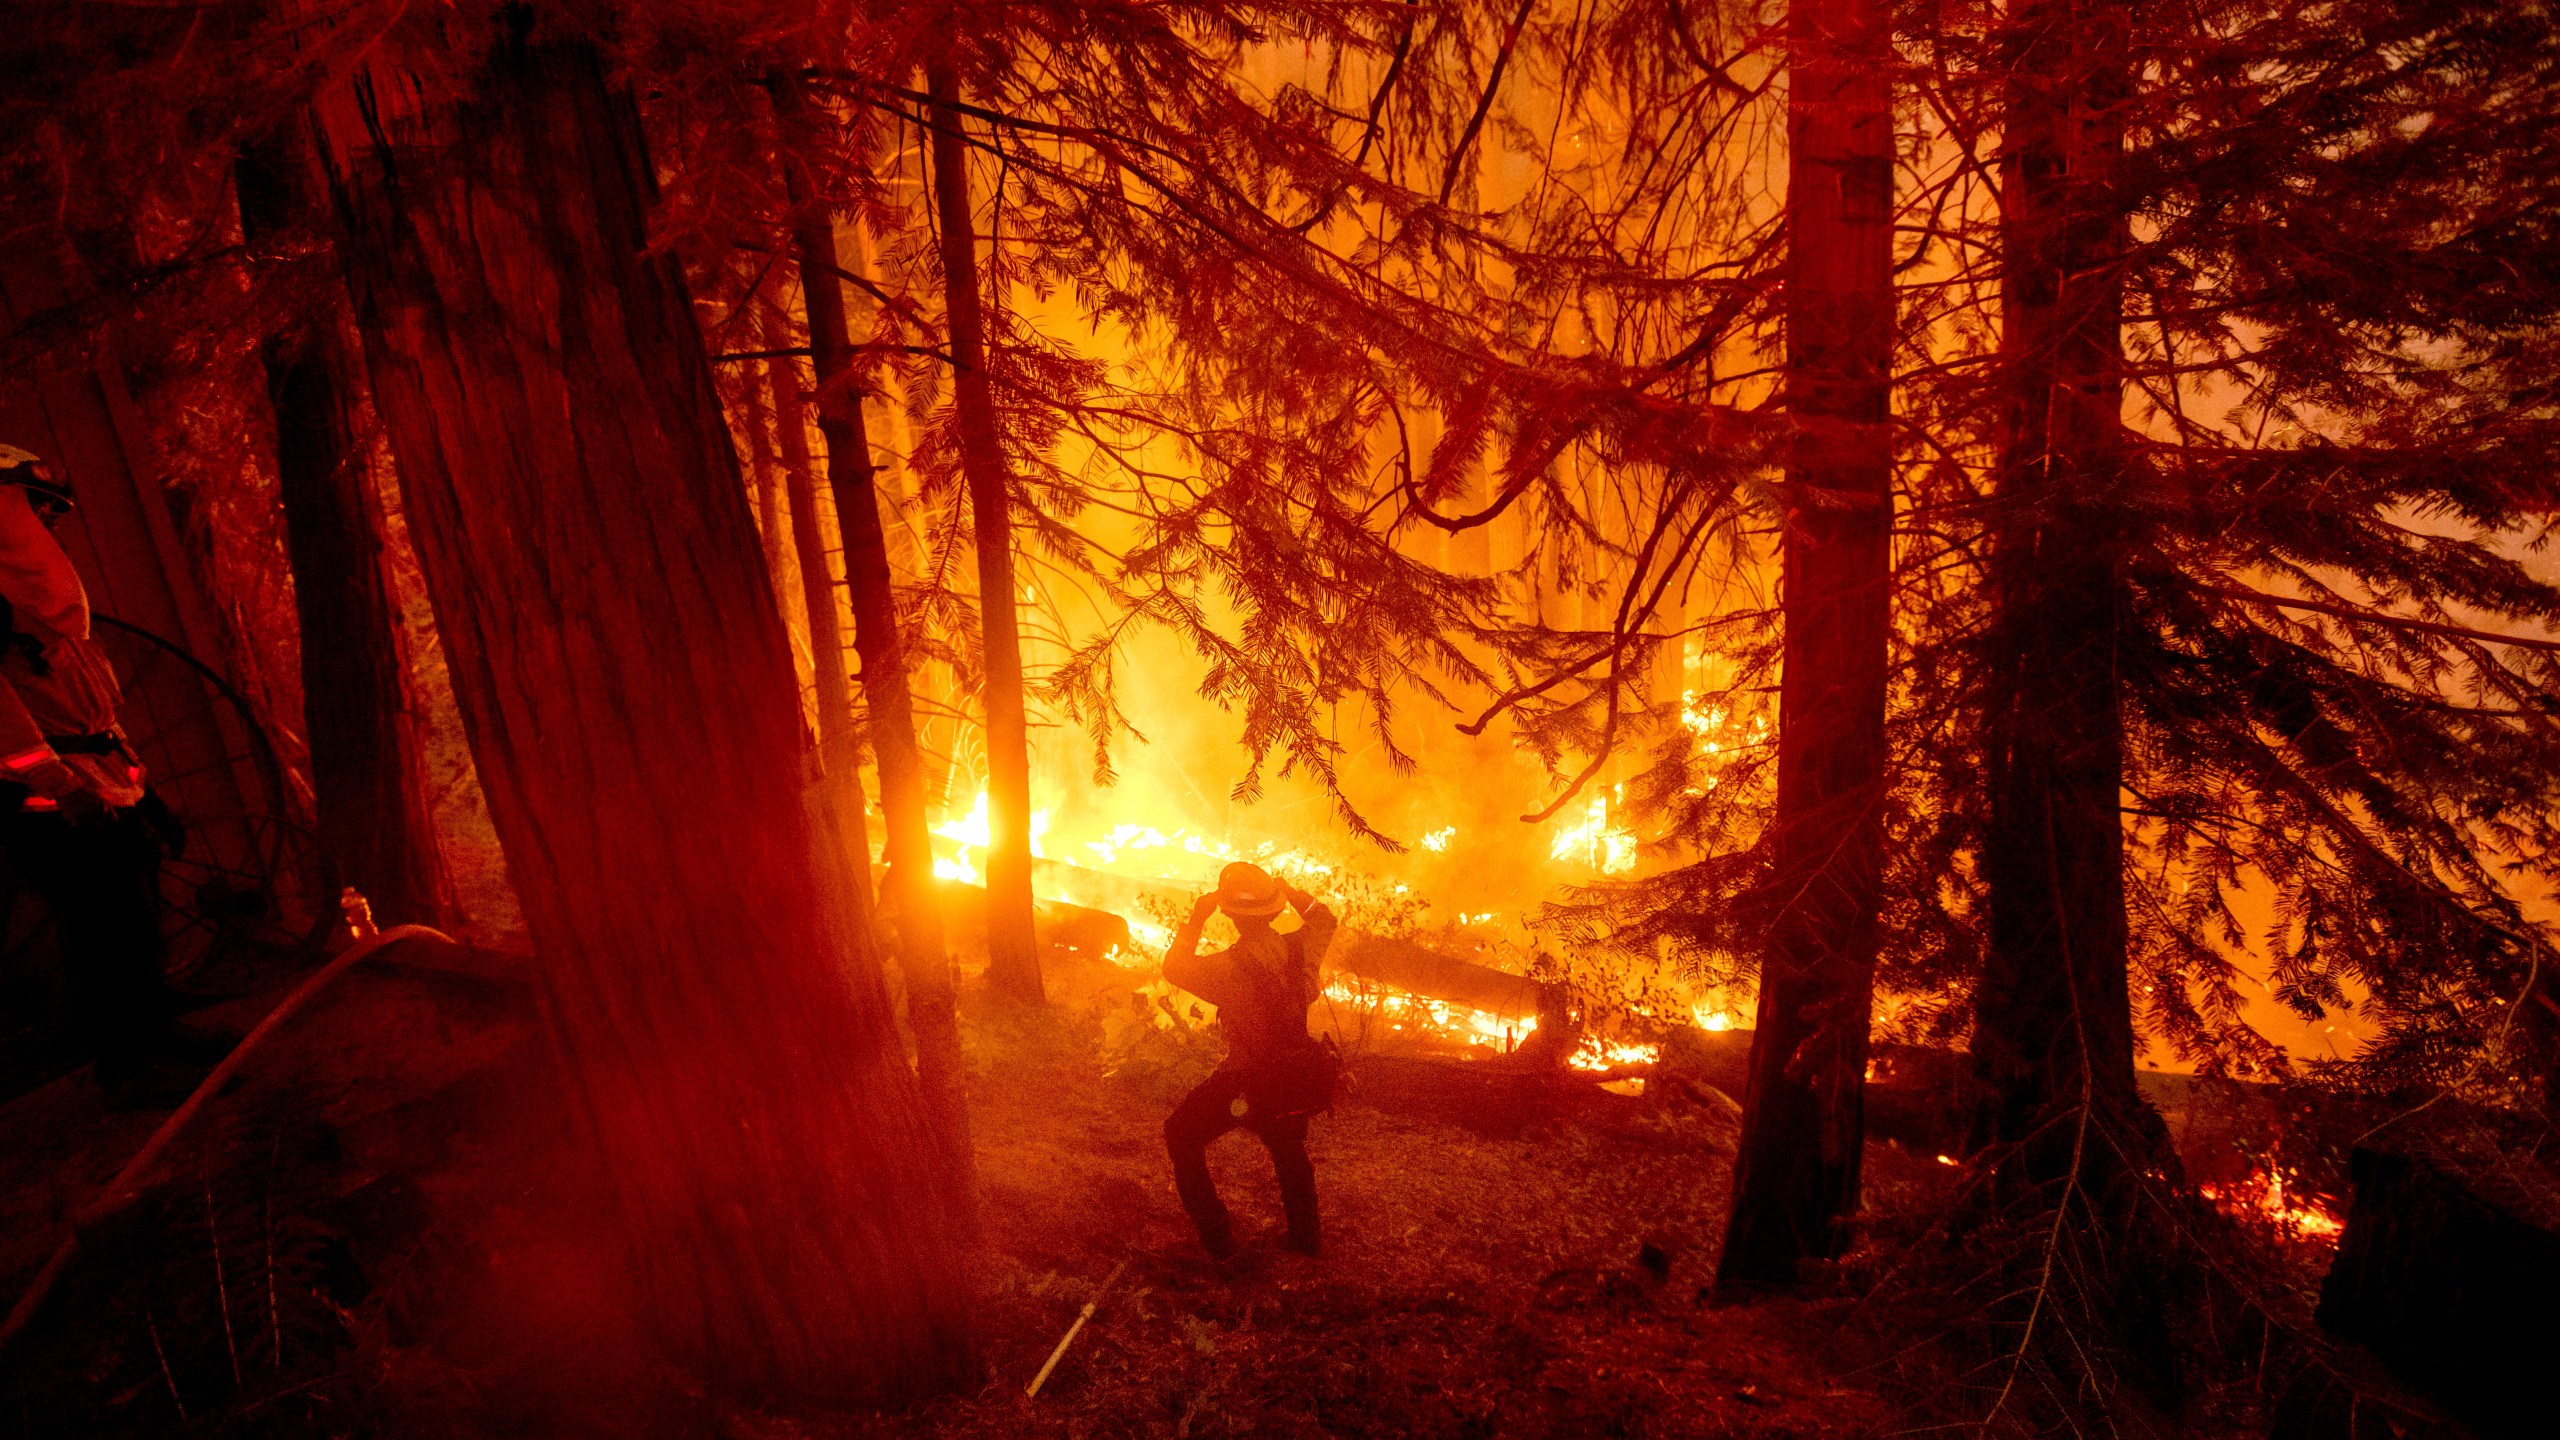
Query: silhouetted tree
1803, 1133
629, 698
1013, 950
916, 913
368, 776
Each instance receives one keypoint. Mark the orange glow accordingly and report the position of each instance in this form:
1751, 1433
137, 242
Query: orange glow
1419, 1015
1594, 841
1599, 1054
2262, 1197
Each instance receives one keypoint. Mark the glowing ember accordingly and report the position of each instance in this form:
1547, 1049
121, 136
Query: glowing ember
1599, 1054
2262, 1197
1609, 849
1438, 840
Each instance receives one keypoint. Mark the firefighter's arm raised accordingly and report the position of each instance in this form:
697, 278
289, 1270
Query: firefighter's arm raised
1184, 966
1316, 925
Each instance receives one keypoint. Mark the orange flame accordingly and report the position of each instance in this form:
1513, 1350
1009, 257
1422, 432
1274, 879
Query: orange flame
2262, 1197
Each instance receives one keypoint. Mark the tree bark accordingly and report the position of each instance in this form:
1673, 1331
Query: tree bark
1796, 1167
839, 745
628, 692
1013, 956
376, 816
932, 1008
2053, 1030
768, 487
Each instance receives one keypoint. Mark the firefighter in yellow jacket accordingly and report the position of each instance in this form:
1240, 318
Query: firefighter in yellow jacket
70, 789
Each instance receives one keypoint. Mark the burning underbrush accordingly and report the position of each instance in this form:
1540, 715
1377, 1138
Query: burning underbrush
2264, 1197
1406, 976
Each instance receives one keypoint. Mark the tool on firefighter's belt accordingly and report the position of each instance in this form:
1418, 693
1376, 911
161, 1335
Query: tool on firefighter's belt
1032, 1390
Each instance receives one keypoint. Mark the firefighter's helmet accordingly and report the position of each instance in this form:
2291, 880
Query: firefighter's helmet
27, 470
1248, 892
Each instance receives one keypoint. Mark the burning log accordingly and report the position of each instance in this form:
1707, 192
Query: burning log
2449, 1287
1406, 966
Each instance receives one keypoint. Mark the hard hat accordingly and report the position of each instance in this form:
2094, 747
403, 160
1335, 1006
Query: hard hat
1248, 892
26, 469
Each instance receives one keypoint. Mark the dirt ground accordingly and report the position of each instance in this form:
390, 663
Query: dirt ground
1542, 1283
373, 1236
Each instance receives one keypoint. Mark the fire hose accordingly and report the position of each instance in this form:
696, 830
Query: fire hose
126, 1187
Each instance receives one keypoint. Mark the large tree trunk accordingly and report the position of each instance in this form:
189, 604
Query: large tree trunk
2053, 1029
1013, 953
932, 1009
628, 692
839, 744
368, 772
1796, 1170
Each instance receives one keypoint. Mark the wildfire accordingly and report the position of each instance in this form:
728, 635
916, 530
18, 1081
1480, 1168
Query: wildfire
1609, 849
1404, 1010
1438, 840
2262, 1197
1599, 1054
1700, 718
1144, 850
974, 832
1710, 1019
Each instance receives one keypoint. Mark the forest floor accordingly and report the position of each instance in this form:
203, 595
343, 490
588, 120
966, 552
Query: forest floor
1484, 1273
374, 1234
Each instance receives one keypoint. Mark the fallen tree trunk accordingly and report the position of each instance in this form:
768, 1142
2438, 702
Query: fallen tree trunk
1434, 976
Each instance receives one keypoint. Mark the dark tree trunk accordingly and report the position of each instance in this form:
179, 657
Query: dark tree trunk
932, 1009
2053, 1029
629, 696
1013, 954
368, 775
839, 745
1796, 1169
768, 482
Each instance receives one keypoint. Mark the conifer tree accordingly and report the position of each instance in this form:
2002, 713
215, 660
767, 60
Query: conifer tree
368, 775
1013, 949
2242, 431
1797, 1164
839, 785
745, 1080
932, 1015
